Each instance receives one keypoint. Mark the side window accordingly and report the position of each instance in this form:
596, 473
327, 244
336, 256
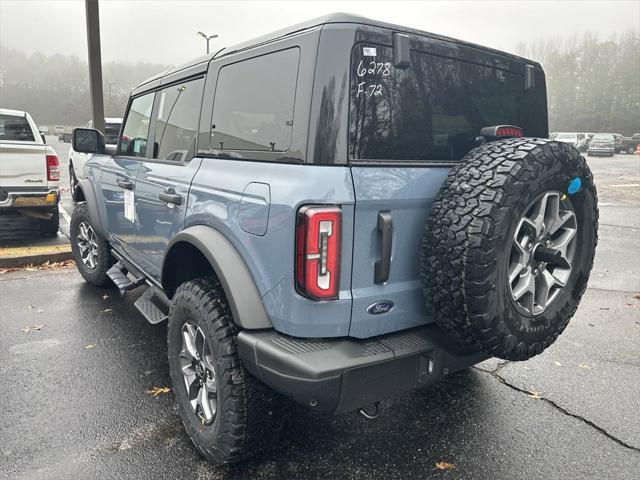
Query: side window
178, 110
133, 142
253, 104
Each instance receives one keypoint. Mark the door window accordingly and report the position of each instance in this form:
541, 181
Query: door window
253, 104
133, 142
177, 116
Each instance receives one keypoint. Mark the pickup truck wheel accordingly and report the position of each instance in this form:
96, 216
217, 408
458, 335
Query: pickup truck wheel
50, 227
73, 183
90, 251
509, 245
227, 413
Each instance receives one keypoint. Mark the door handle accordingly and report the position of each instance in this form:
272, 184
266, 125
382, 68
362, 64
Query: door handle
383, 266
170, 197
126, 184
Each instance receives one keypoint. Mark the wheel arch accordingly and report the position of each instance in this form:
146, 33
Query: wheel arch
199, 244
85, 193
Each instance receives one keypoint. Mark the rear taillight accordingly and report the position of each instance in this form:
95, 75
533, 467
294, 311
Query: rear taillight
53, 170
318, 252
508, 131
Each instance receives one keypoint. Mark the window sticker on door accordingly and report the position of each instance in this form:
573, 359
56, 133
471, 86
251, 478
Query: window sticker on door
129, 206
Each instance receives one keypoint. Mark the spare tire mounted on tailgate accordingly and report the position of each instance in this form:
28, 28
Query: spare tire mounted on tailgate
509, 245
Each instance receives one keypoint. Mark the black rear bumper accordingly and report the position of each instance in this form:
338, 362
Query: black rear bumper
340, 375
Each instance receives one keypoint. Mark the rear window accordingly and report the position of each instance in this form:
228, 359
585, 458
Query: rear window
14, 128
111, 132
253, 104
431, 111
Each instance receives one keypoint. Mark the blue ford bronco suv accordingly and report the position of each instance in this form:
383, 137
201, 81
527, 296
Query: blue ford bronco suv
336, 213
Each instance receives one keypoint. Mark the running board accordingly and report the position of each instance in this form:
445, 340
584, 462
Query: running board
119, 276
152, 305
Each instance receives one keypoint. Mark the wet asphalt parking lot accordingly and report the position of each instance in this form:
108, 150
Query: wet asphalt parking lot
74, 401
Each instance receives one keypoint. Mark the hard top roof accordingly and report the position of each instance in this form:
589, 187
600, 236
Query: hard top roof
332, 18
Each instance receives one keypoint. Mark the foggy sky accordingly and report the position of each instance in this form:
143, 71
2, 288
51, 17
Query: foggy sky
164, 31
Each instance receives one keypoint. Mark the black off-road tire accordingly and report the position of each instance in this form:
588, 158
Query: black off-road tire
73, 183
98, 275
50, 226
249, 414
465, 250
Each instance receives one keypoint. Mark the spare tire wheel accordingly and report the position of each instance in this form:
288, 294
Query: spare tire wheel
509, 245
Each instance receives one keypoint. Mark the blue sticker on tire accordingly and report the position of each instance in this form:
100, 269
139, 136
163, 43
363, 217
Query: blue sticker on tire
574, 185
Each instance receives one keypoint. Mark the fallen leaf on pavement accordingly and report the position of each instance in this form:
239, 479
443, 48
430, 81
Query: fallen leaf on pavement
584, 365
44, 266
30, 307
31, 328
557, 363
533, 393
155, 391
91, 345
444, 466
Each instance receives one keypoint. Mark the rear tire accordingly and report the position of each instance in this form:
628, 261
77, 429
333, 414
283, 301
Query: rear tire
469, 270
86, 242
248, 414
50, 227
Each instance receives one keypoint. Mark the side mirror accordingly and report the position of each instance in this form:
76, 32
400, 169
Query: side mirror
88, 140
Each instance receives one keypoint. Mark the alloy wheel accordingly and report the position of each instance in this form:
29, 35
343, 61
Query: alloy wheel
88, 245
542, 252
199, 373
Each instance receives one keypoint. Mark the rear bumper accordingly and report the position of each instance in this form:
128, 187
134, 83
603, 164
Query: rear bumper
340, 375
28, 198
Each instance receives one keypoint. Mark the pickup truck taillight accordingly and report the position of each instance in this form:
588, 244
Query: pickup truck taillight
318, 252
53, 170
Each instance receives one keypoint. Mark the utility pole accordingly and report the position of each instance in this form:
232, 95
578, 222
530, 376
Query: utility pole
207, 38
95, 63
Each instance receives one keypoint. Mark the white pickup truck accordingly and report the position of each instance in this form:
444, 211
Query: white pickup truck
29, 171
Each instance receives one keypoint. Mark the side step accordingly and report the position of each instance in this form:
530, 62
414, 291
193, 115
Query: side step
153, 305
119, 276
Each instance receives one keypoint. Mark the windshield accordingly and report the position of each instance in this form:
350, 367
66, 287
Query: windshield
567, 136
602, 137
434, 109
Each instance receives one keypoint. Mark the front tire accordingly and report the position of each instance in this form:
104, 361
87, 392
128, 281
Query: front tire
227, 413
73, 183
90, 251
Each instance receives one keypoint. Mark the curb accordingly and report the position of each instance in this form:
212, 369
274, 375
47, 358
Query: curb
17, 257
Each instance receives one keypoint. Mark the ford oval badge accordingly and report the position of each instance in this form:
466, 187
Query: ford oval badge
381, 307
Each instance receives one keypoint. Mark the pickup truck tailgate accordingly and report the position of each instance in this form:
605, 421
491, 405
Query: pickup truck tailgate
22, 165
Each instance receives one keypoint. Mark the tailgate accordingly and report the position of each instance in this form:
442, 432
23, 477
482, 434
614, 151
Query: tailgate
22, 165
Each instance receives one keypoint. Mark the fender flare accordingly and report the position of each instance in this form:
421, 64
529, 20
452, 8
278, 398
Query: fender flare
234, 275
92, 206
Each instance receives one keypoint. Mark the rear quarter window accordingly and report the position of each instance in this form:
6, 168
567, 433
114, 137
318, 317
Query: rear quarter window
254, 103
431, 111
